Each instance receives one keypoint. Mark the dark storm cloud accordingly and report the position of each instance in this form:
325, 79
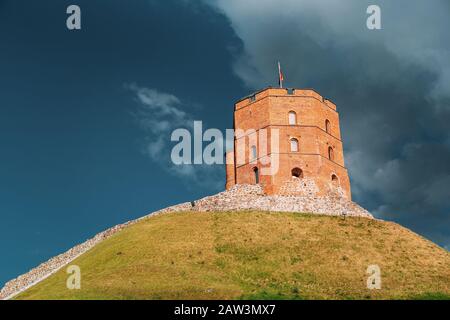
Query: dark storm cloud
391, 86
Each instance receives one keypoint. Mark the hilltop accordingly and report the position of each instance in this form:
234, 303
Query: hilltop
254, 255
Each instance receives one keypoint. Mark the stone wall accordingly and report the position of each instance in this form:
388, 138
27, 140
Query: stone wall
239, 197
299, 187
252, 197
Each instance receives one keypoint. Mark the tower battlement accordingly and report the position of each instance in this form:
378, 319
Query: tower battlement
274, 92
309, 147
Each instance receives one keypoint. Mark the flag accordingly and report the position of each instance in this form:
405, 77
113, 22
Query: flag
280, 75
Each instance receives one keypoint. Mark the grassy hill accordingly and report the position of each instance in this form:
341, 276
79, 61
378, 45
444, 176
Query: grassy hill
255, 255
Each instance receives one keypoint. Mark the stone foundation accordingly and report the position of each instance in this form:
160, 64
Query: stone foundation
252, 197
299, 187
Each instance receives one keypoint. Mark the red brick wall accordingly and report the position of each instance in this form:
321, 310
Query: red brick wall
269, 109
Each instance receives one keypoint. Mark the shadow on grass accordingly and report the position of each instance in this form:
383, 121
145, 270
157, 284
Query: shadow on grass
431, 296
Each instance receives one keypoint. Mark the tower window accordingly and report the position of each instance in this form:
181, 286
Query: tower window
294, 145
327, 126
334, 179
254, 153
292, 118
297, 172
330, 153
290, 91
256, 172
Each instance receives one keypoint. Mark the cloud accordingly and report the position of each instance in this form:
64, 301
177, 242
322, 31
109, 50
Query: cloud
159, 114
391, 86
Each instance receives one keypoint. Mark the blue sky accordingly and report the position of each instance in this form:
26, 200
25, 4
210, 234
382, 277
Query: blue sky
79, 151
73, 151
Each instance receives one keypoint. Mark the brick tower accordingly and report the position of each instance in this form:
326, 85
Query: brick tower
309, 152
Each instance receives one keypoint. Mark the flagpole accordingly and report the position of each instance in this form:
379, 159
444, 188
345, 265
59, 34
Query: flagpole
280, 79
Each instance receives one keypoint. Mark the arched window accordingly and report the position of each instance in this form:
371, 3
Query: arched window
330, 153
297, 172
256, 172
334, 179
254, 154
292, 118
327, 126
294, 145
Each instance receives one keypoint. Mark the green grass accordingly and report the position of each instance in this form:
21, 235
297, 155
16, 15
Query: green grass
432, 296
255, 255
